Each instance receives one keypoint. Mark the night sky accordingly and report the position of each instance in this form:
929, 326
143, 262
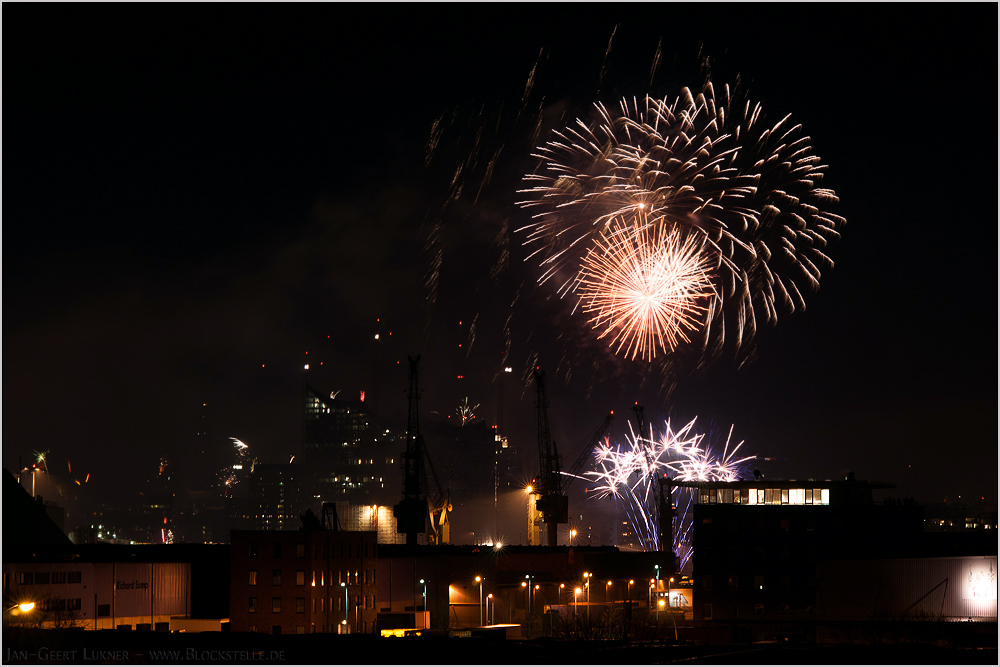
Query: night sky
201, 199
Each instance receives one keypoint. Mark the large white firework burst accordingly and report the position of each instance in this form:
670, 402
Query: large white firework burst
708, 166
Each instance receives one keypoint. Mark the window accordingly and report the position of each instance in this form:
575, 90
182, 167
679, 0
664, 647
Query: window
734, 582
252, 628
58, 577
300, 577
300, 605
277, 549
300, 629
758, 610
252, 579
784, 496
55, 605
786, 525
300, 551
26, 578
252, 605
706, 612
74, 604
706, 582
276, 605
275, 577
253, 550
275, 629
103, 610
74, 577
41, 577
824, 496
322, 604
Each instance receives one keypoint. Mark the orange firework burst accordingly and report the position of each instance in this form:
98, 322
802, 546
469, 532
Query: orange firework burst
646, 285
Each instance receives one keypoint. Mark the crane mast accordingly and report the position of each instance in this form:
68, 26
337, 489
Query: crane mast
411, 512
551, 504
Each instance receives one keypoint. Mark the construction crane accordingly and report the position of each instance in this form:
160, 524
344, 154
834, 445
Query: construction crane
411, 512
664, 499
439, 506
587, 449
419, 507
552, 504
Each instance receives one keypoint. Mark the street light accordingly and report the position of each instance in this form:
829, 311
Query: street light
586, 584
669, 581
576, 592
479, 580
347, 629
529, 578
488, 598
628, 589
424, 582
606, 587
572, 535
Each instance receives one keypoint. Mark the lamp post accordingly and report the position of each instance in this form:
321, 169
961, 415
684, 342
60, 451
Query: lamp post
488, 618
529, 578
576, 592
672, 617
479, 580
628, 589
572, 535
586, 584
606, 587
347, 628
424, 582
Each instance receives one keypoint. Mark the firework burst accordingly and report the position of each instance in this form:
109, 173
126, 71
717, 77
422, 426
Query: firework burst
646, 286
630, 474
704, 166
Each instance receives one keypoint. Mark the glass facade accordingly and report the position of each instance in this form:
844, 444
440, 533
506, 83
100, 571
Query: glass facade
764, 496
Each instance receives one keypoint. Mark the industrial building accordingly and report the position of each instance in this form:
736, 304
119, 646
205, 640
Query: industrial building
111, 586
303, 582
779, 559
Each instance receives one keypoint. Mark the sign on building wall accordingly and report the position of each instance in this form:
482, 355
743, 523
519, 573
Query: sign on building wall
979, 579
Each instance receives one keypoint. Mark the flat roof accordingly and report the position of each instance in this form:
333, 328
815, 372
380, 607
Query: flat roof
781, 484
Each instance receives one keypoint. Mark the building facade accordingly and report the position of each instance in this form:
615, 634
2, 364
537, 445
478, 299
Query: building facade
303, 582
105, 586
757, 544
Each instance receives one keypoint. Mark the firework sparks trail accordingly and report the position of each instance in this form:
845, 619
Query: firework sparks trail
228, 475
466, 413
629, 473
645, 286
707, 166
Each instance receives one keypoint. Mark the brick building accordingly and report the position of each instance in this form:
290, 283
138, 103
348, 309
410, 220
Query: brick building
296, 582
